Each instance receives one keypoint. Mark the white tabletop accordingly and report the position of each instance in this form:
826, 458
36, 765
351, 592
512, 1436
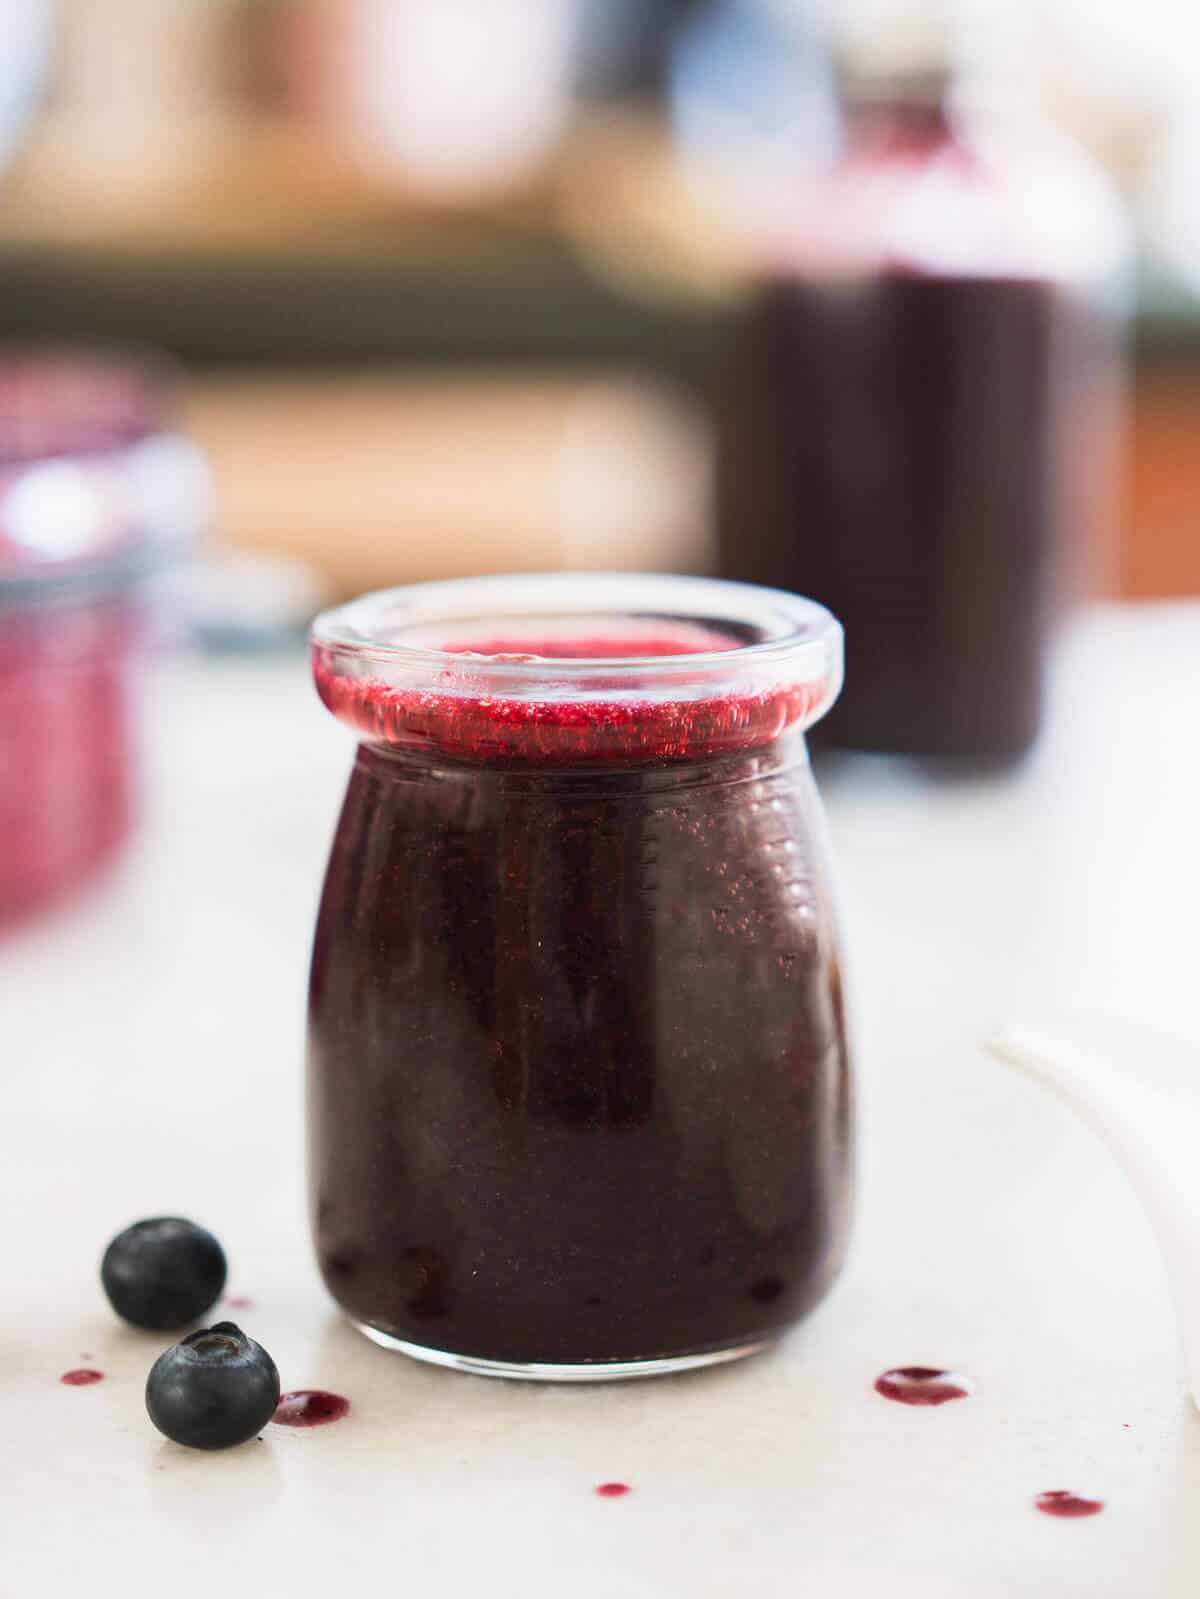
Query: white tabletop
151, 1043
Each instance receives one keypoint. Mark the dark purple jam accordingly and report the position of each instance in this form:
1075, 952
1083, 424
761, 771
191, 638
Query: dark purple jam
577, 1065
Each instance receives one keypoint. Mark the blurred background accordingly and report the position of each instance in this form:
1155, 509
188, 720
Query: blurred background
385, 237
345, 293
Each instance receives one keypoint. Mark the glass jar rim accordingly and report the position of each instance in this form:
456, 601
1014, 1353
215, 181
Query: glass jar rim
799, 636
726, 666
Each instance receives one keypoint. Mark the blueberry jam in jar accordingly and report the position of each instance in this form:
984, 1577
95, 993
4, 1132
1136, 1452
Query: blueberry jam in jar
579, 1099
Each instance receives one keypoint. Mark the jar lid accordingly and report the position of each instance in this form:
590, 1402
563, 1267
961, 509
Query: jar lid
95, 490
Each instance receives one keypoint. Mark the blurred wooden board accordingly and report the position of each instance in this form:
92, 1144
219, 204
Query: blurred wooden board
1161, 557
521, 302
242, 183
257, 246
394, 478
258, 243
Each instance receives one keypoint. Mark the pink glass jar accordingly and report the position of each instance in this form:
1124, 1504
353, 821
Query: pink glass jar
94, 493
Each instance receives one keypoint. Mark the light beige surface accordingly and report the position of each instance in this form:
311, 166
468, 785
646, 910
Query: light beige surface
151, 1046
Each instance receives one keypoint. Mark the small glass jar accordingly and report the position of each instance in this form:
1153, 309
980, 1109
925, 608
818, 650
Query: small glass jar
95, 493
579, 1100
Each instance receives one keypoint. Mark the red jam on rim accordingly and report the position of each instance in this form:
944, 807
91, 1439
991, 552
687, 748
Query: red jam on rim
461, 710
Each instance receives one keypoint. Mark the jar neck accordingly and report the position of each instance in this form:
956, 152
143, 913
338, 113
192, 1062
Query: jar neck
391, 763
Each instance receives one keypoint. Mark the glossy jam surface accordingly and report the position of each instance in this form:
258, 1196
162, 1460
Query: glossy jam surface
1069, 1506
577, 1067
922, 1385
68, 780
310, 1407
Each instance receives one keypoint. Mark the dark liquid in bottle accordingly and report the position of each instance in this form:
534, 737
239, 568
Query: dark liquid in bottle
887, 449
902, 436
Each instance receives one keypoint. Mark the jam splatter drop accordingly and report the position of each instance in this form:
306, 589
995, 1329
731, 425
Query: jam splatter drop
81, 1377
1068, 1506
238, 1302
310, 1407
922, 1385
613, 1490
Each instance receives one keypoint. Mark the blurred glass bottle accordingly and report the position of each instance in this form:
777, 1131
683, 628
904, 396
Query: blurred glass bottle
917, 427
98, 493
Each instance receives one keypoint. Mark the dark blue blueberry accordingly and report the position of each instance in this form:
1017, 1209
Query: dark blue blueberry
214, 1389
163, 1273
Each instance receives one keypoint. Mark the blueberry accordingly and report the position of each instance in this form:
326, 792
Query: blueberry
214, 1389
163, 1273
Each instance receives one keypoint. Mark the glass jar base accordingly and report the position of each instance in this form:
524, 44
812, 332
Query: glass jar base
553, 1371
